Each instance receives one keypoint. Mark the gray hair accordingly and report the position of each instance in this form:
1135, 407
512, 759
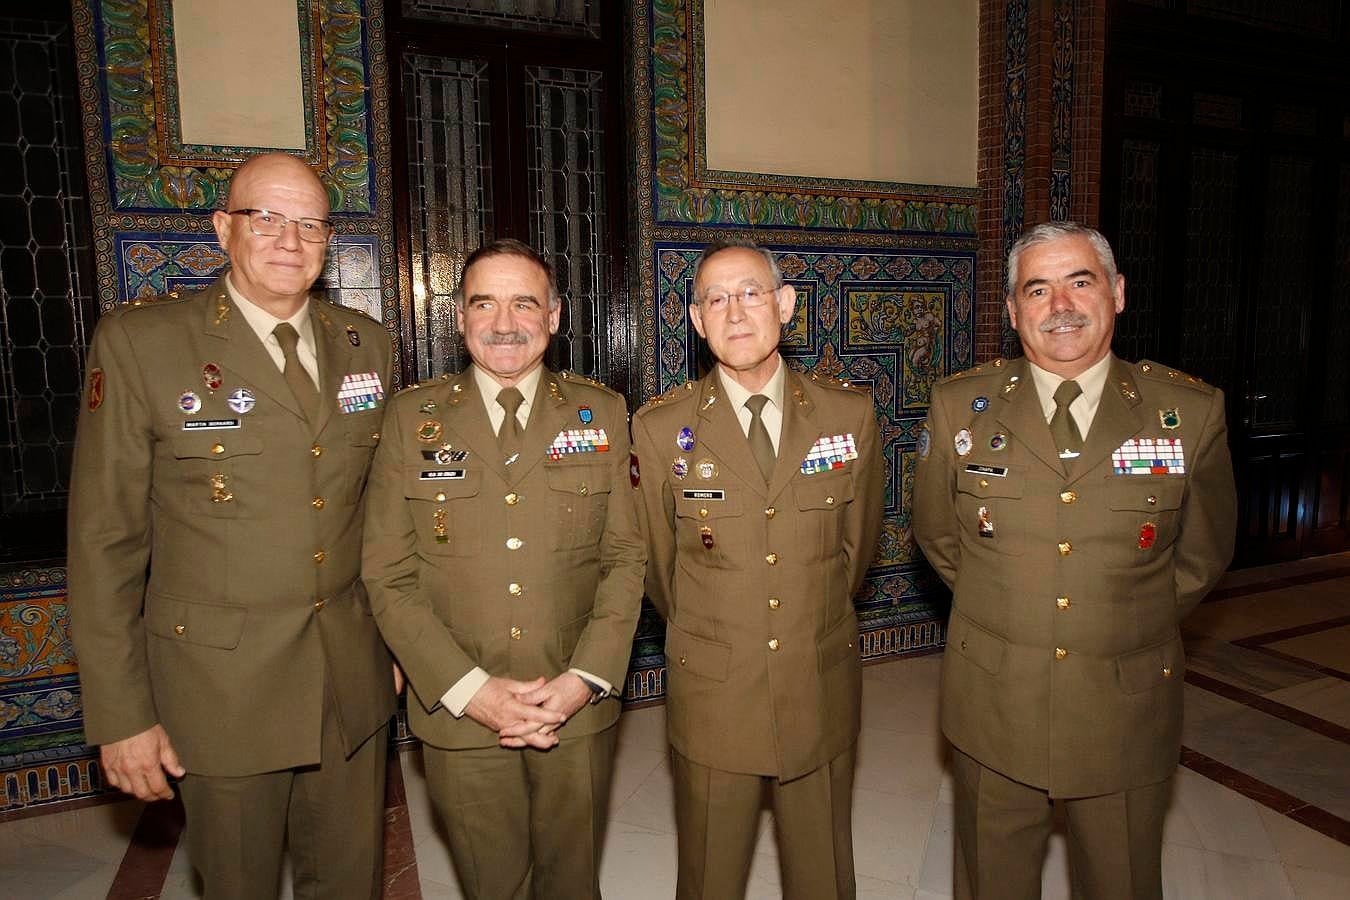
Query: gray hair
721, 244
510, 247
1053, 231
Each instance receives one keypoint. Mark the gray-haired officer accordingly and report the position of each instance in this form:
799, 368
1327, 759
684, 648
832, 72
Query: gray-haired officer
1079, 506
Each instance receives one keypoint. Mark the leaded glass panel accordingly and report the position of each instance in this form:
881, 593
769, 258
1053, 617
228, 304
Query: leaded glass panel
1336, 395
565, 147
450, 183
544, 16
45, 252
1137, 329
1208, 320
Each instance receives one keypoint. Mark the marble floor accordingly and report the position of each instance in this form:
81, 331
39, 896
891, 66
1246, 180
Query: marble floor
1261, 806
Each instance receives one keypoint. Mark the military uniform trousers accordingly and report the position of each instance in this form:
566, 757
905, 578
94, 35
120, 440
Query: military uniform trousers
330, 816
525, 824
717, 818
1002, 826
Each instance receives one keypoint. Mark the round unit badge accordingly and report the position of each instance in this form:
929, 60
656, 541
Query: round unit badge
685, 439
963, 442
998, 441
241, 401
679, 467
707, 468
925, 441
189, 402
429, 432
211, 376
979, 404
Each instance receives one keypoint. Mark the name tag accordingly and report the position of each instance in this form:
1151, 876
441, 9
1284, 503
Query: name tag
704, 495
209, 424
441, 475
996, 471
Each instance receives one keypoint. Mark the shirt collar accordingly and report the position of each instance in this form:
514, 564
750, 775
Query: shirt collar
1092, 381
488, 388
737, 395
263, 322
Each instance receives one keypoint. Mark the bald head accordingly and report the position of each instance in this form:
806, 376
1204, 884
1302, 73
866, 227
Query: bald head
272, 169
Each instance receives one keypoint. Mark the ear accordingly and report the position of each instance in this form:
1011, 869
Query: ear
696, 316
459, 316
555, 317
1012, 310
787, 303
223, 223
1119, 293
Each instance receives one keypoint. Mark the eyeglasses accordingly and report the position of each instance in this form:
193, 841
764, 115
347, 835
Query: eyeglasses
265, 223
750, 298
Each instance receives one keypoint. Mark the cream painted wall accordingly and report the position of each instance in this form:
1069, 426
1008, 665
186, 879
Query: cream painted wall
878, 90
239, 73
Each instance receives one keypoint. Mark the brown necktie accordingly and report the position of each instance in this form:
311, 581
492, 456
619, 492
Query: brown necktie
760, 444
1063, 428
509, 434
301, 385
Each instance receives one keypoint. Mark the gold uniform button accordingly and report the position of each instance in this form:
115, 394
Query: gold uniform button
316, 451
375, 436
515, 632
512, 498
703, 512
770, 512
179, 629
1065, 548
1167, 671
773, 644
984, 482
320, 604
772, 559
320, 556
582, 489
1062, 602
217, 449
514, 543
440, 497
1068, 496
829, 501
318, 502
514, 589
1060, 653
774, 603
1151, 500
684, 661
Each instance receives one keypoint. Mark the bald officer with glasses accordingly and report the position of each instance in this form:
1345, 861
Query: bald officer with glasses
224, 636
761, 493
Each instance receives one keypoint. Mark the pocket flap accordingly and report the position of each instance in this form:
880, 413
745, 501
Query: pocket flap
215, 445
706, 503
578, 479
701, 656
980, 480
839, 644
439, 483
1150, 667
1145, 493
823, 491
208, 624
983, 648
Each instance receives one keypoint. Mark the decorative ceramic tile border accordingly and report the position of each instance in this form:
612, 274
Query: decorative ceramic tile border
685, 191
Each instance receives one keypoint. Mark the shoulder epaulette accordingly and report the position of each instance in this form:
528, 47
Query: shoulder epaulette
1153, 371
352, 310
574, 378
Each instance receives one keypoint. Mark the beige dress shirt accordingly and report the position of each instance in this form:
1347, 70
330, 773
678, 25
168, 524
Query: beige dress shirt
1084, 409
262, 322
772, 414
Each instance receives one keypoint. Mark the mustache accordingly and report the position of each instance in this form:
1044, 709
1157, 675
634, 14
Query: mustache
1061, 320
504, 339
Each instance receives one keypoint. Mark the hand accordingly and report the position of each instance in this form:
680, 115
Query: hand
565, 694
398, 679
497, 705
137, 764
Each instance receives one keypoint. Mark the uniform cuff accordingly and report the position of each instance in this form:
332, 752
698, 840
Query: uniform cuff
459, 695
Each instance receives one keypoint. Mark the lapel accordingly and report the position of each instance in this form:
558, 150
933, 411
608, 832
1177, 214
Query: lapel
548, 416
243, 354
1019, 411
471, 423
720, 432
800, 432
1118, 418
334, 353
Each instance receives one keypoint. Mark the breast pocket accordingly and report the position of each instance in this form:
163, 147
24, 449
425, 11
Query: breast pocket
987, 500
363, 436
1146, 511
579, 502
706, 531
443, 501
210, 467
821, 501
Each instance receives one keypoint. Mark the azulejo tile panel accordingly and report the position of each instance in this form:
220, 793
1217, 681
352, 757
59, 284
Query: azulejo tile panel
685, 191
894, 321
149, 168
154, 262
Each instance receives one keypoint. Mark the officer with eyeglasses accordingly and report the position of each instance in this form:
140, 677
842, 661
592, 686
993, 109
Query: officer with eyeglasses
223, 633
760, 492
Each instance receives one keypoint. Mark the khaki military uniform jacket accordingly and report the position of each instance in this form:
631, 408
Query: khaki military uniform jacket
525, 569
1064, 664
250, 523
756, 581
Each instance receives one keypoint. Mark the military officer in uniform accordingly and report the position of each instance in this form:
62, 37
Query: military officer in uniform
224, 443
761, 493
505, 563
1078, 506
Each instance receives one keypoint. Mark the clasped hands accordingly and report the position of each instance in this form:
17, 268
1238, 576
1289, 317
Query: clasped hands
528, 713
